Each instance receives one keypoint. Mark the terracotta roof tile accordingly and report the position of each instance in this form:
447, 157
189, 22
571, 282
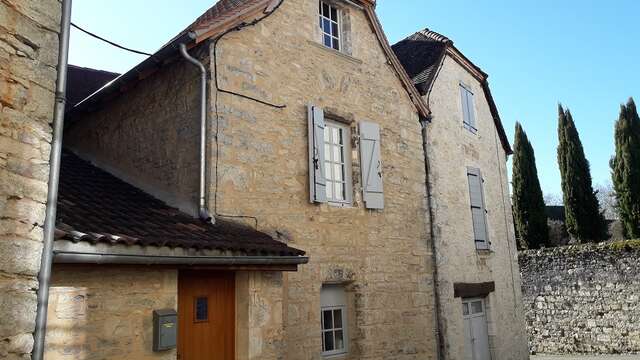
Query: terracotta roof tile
96, 207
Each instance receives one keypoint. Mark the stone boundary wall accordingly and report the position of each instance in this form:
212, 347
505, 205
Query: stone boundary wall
28, 59
582, 298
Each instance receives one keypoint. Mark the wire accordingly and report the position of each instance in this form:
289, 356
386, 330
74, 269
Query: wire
218, 90
109, 42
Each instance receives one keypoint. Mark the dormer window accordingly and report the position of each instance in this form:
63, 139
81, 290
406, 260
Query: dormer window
330, 24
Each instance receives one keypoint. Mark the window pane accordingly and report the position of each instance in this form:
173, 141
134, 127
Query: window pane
327, 171
337, 318
336, 136
329, 190
325, 9
334, 29
327, 40
465, 309
339, 344
337, 172
327, 152
334, 14
336, 44
202, 309
326, 26
337, 154
328, 320
339, 191
328, 341
476, 307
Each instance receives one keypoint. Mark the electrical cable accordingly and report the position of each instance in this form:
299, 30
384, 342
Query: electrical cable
219, 89
109, 42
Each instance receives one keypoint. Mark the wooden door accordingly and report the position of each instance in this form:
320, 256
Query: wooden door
475, 330
206, 315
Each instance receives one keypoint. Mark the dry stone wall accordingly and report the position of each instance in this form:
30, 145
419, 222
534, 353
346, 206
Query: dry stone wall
582, 298
28, 57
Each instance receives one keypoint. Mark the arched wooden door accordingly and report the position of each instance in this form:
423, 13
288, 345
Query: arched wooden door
206, 315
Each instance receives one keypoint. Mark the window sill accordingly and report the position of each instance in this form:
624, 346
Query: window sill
484, 252
345, 205
336, 52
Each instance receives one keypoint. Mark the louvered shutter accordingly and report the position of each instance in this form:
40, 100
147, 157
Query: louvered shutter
478, 210
317, 182
371, 165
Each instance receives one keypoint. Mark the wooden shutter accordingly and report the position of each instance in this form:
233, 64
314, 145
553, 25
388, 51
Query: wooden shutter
468, 113
371, 165
478, 210
317, 182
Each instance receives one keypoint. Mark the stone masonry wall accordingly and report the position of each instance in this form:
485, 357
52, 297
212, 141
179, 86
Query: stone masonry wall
452, 148
28, 59
97, 316
149, 137
381, 257
582, 298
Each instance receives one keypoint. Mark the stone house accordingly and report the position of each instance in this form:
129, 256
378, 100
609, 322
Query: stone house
313, 153
28, 57
478, 278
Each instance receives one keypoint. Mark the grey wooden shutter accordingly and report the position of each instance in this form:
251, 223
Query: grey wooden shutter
317, 182
478, 210
468, 114
371, 165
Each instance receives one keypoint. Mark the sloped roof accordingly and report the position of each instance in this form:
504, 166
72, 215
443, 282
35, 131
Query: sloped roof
96, 207
229, 14
82, 82
422, 53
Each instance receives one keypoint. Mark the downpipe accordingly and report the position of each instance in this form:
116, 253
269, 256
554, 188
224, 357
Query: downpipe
440, 353
44, 276
203, 213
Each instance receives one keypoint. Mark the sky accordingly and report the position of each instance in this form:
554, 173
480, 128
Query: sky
581, 53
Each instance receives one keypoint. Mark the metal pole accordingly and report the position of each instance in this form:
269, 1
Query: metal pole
44, 276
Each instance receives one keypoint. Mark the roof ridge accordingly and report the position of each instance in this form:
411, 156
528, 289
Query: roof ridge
435, 36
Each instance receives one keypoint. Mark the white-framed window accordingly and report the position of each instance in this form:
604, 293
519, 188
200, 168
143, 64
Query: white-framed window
337, 162
333, 314
468, 112
329, 16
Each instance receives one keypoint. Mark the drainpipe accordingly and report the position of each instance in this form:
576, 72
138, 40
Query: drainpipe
440, 353
203, 213
44, 276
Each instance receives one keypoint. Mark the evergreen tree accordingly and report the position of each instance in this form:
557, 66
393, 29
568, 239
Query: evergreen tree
625, 167
583, 218
528, 204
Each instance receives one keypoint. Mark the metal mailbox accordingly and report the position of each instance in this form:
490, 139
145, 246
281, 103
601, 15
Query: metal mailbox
165, 329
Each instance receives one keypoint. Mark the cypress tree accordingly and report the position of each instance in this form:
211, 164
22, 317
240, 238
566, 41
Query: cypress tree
625, 167
528, 204
584, 221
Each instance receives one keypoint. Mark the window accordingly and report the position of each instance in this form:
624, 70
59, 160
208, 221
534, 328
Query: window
478, 209
330, 25
201, 306
336, 162
333, 316
468, 114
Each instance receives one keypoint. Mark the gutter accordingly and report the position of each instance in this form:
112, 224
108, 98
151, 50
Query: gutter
44, 275
72, 257
203, 213
440, 353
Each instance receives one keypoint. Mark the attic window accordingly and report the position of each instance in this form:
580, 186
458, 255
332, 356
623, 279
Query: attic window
330, 24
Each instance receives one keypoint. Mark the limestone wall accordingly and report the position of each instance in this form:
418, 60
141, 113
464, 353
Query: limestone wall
99, 312
28, 59
582, 298
382, 257
149, 137
453, 148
